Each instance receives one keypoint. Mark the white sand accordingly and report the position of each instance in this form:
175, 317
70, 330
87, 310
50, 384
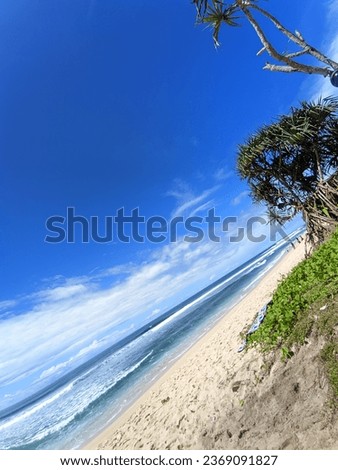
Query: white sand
188, 404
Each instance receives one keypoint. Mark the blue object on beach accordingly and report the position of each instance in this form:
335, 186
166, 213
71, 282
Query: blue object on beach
254, 327
242, 346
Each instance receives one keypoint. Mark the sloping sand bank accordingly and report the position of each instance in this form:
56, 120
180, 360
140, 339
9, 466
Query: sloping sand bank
217, 398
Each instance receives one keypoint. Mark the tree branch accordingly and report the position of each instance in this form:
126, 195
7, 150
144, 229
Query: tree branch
279, 68
261, 51
276, 55
297, 54
297, 39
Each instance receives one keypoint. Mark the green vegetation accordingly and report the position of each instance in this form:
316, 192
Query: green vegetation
287, 166
306, 301
313, 280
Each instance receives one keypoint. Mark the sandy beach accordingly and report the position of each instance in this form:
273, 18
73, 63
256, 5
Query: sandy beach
216, 398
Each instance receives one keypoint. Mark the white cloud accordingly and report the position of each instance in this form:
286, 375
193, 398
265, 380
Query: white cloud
203, 207
183, 208
187, 199
333, 12
223, 174
62, 365
239, 198
114, 271
181, 191
60, 293
7, 304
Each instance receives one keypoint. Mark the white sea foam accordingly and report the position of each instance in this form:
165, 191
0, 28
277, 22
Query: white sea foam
270, 266
35, 408
39, 422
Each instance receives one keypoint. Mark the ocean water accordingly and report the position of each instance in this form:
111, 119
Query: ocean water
68, 413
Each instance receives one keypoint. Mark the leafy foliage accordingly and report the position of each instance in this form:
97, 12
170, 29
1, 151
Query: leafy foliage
216, 14
291, 165
313, 280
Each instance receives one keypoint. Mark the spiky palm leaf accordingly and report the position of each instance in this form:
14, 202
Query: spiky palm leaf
288, 163
214, 13
276, 218
201, 7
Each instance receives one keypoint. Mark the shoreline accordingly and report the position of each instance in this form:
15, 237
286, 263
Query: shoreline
167, 402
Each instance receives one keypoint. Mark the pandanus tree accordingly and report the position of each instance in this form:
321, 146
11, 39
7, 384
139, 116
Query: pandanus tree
216, 13
291, 166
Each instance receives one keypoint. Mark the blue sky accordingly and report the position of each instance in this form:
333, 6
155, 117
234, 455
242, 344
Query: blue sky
107, 104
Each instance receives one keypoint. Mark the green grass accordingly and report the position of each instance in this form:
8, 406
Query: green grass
313, 280
306, 301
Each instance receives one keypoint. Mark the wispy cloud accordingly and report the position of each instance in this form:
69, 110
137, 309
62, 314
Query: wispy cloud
203, 207
61, 293
187, 199
222, 174
236, 201
7, 304
63, 365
